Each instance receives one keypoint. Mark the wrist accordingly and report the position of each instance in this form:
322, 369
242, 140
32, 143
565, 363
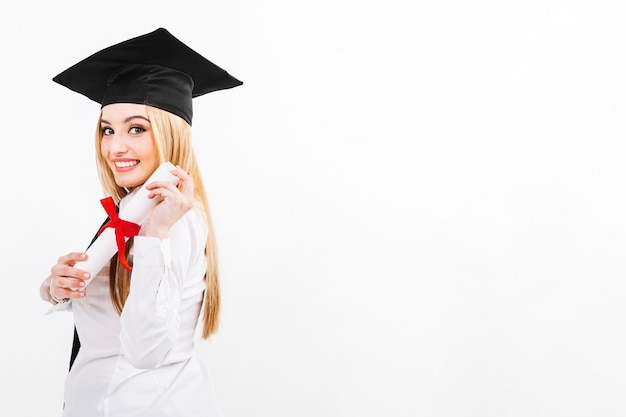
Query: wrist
151, 230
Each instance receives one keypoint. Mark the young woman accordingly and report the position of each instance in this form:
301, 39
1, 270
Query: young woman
136, 319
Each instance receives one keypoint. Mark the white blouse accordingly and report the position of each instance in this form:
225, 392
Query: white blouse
142, 363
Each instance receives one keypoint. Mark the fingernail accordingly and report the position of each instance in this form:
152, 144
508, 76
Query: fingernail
86, 276
82, 284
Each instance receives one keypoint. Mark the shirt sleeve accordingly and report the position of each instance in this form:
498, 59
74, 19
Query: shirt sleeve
150, 320
44, 291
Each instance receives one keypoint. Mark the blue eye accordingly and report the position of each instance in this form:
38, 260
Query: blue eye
106, 131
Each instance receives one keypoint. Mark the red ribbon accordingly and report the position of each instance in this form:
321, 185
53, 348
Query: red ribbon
122, 228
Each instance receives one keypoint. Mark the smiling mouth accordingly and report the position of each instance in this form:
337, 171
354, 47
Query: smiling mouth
126, 164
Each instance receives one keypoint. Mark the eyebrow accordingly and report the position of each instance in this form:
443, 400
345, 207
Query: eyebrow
128, 119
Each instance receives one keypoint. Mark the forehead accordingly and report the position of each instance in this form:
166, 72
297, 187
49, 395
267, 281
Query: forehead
122, 111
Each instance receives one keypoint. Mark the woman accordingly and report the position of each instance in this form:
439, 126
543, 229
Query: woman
136, 319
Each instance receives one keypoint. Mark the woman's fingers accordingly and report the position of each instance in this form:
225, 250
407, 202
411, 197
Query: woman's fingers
72, 258
67, 288
185, 183
162, 189
67, 281
172, 204
183, 193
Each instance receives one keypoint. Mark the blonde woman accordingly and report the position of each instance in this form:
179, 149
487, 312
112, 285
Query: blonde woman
136, 320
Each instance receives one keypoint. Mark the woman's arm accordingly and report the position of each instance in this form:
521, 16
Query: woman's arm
166, 253
163, 270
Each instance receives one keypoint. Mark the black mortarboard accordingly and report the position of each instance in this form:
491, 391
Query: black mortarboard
155, 69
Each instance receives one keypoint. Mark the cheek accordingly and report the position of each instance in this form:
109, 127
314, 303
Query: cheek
104, 149
150, 151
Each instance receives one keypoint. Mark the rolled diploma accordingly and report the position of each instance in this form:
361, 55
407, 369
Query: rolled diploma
136, 210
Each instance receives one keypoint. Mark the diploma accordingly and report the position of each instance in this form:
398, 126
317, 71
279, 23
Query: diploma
136, 211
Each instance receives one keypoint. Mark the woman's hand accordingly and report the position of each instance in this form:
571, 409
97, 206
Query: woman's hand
172, 204
67, 281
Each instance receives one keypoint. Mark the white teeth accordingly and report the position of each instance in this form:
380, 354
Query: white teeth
125, 164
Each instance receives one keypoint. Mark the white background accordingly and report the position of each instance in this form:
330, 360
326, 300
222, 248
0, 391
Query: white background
419, 205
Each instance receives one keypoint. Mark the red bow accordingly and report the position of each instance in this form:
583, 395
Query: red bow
122, 229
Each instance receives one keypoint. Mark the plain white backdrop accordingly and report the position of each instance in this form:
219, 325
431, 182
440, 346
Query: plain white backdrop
419, 205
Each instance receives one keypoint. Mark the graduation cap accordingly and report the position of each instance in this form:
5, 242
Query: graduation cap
155, 69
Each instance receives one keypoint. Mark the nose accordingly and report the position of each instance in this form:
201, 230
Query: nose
117, 144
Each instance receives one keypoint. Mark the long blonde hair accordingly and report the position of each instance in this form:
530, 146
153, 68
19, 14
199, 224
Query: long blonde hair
172, 137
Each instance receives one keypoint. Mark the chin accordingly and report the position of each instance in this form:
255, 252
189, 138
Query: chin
127, 183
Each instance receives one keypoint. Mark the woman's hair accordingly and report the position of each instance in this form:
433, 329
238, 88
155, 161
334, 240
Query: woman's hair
172, 137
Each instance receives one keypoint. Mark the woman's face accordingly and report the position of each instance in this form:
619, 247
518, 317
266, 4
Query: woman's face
128, 144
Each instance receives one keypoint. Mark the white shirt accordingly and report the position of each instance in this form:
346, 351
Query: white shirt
142, 363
